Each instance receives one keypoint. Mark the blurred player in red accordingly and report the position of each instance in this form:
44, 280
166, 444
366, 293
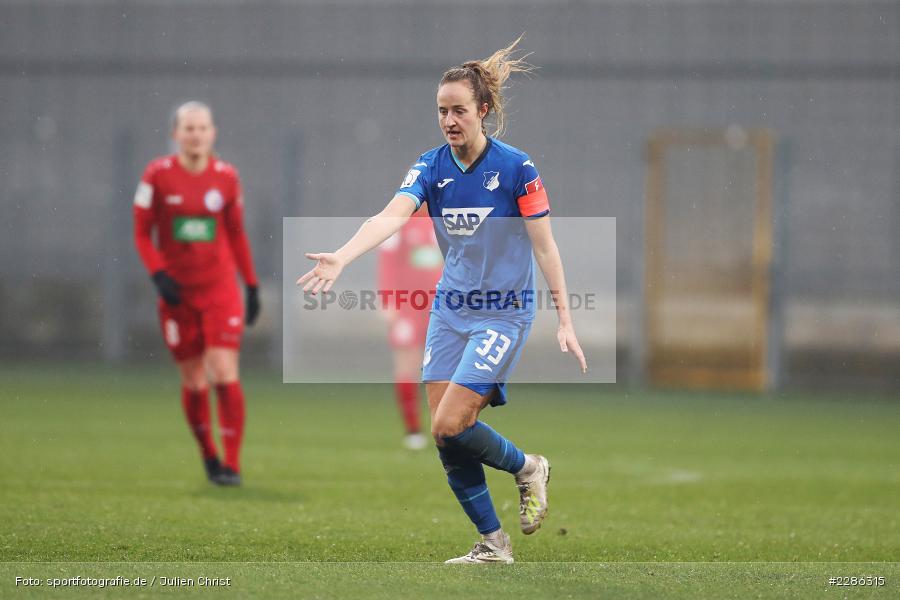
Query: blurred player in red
409, 266
193, 200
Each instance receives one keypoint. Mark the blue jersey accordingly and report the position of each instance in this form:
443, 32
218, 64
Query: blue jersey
477, 213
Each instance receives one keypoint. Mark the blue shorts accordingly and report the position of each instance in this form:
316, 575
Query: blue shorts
475, 351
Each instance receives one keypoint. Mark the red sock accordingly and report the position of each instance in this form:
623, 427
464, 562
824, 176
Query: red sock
231, 421
196, 411
408, 401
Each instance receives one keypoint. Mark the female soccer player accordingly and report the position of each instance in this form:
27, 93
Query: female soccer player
491, 214
194, 201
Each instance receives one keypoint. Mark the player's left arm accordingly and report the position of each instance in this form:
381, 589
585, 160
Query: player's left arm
534, 207
240, 248
547, 255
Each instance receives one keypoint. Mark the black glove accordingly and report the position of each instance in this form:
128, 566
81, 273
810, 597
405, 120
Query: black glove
167, 288
252, 305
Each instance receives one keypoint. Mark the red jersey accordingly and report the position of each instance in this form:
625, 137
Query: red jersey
410, 261
199, 223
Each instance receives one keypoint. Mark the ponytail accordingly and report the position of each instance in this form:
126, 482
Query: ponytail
487, 76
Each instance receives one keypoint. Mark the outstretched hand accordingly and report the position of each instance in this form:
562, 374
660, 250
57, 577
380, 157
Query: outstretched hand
322, 276
567, 341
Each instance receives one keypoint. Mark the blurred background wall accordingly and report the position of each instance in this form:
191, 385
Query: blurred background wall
323, 106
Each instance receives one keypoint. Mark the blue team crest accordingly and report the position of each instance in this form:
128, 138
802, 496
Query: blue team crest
491, 180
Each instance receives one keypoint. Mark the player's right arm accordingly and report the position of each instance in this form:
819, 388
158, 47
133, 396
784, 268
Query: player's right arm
372, 233
144, 223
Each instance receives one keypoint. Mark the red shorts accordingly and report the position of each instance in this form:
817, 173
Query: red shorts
408, 329
205, 318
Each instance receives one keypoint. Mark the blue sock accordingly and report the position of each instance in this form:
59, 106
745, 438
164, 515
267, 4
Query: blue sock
466, 478
489, 447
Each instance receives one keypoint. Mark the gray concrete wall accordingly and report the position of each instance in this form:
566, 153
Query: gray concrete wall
86, 89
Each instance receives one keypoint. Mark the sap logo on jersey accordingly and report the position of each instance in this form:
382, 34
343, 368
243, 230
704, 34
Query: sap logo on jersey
464, 221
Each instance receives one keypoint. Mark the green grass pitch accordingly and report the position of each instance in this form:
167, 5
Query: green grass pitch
654, 494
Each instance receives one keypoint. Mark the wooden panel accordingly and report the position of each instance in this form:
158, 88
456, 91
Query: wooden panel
720, 341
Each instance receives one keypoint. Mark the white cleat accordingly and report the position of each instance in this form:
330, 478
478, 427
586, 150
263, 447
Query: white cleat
414, 441
533, 495
485, 553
